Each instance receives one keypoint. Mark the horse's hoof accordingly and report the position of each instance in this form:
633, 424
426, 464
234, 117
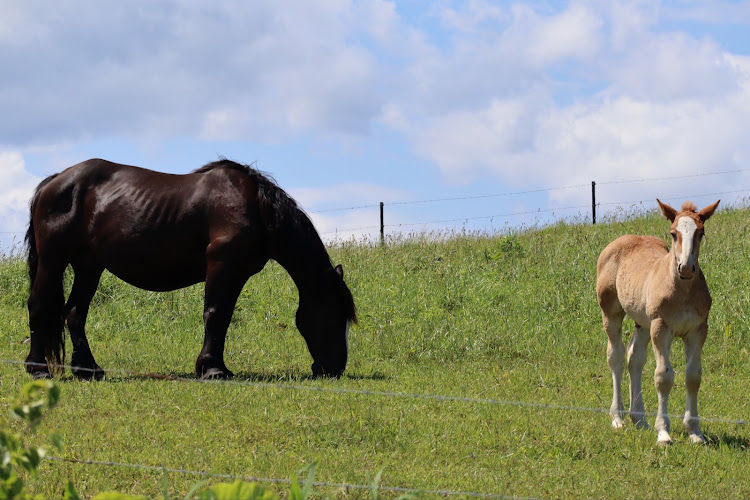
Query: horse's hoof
88, 373
216, 374
41, 375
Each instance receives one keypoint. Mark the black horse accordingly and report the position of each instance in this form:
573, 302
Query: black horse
219, 224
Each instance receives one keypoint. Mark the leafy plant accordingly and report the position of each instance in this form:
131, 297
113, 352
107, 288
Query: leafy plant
17, 457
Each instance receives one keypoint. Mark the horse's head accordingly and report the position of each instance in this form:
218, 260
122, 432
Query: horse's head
323, 319
687, 233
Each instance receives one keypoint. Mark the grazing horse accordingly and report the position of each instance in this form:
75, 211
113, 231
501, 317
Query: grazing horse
219, 224
665, 294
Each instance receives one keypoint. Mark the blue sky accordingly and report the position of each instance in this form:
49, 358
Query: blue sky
350, 103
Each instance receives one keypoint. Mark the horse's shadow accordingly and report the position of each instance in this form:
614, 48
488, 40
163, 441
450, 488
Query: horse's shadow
287, 376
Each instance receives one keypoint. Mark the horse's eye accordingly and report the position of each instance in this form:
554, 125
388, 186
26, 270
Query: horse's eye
674, 235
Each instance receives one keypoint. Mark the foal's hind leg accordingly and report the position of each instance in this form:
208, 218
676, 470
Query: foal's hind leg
616, 361
76, 311
637, 354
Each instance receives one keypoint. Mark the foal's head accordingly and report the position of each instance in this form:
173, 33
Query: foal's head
687, 233
323, 319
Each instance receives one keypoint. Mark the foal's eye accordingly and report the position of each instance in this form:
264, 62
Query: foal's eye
674, 235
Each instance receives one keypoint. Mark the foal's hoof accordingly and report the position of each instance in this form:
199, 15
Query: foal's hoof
216, 374
698, 439
663, 438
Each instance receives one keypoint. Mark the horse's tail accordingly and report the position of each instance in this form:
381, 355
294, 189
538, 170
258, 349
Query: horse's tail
52, 327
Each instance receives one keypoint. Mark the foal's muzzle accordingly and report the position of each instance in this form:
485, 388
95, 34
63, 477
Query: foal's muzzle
686, 271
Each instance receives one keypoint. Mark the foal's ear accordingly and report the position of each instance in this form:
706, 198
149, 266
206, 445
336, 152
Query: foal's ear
707, 212
340, 270
667, 211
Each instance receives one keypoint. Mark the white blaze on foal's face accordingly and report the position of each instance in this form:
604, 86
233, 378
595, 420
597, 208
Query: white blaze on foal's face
684, 235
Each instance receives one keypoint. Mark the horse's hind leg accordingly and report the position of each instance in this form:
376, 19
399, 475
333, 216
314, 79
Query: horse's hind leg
693, 345
637, 354
616, 361
46, 302
76, 311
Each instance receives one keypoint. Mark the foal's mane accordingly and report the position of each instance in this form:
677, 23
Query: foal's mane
688, 206
283, 209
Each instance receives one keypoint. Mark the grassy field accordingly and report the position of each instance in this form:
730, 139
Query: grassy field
492, 328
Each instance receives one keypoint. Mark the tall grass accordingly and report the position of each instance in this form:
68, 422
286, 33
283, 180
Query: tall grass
489, 318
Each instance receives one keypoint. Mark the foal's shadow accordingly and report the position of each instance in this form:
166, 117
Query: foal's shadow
741, 443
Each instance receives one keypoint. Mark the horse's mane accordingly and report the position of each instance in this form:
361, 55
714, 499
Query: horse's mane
280, 208
277, 204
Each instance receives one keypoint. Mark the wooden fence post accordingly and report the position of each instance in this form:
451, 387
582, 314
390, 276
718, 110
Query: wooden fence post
382, 226
593, 202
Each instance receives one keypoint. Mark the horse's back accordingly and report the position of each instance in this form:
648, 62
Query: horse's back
150, 228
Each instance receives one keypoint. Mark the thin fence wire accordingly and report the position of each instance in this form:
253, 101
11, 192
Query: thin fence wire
530, 191
654, 179
383, 394
528, 212
259, 479
402, 395
508, 194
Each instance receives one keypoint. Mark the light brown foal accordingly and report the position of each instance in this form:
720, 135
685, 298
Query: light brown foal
665, 293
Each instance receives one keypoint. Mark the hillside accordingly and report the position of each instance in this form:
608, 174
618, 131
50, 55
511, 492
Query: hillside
462, 341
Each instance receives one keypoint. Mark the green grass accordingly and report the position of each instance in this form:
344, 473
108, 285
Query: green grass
487, 319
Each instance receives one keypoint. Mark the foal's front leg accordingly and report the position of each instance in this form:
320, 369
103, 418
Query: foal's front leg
693, 347
661, 336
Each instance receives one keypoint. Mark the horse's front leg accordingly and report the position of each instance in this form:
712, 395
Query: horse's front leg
637, 354
661, 336
223, 286
693, 347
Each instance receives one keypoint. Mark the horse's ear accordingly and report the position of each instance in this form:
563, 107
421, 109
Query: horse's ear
667, 211
340, 271
707, 212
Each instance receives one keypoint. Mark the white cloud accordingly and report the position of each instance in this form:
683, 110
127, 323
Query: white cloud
711, 11
222, 70
528, 93
16, 188
665, 104
573, 33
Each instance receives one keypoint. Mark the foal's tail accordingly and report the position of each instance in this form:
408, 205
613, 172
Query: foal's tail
49, 326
